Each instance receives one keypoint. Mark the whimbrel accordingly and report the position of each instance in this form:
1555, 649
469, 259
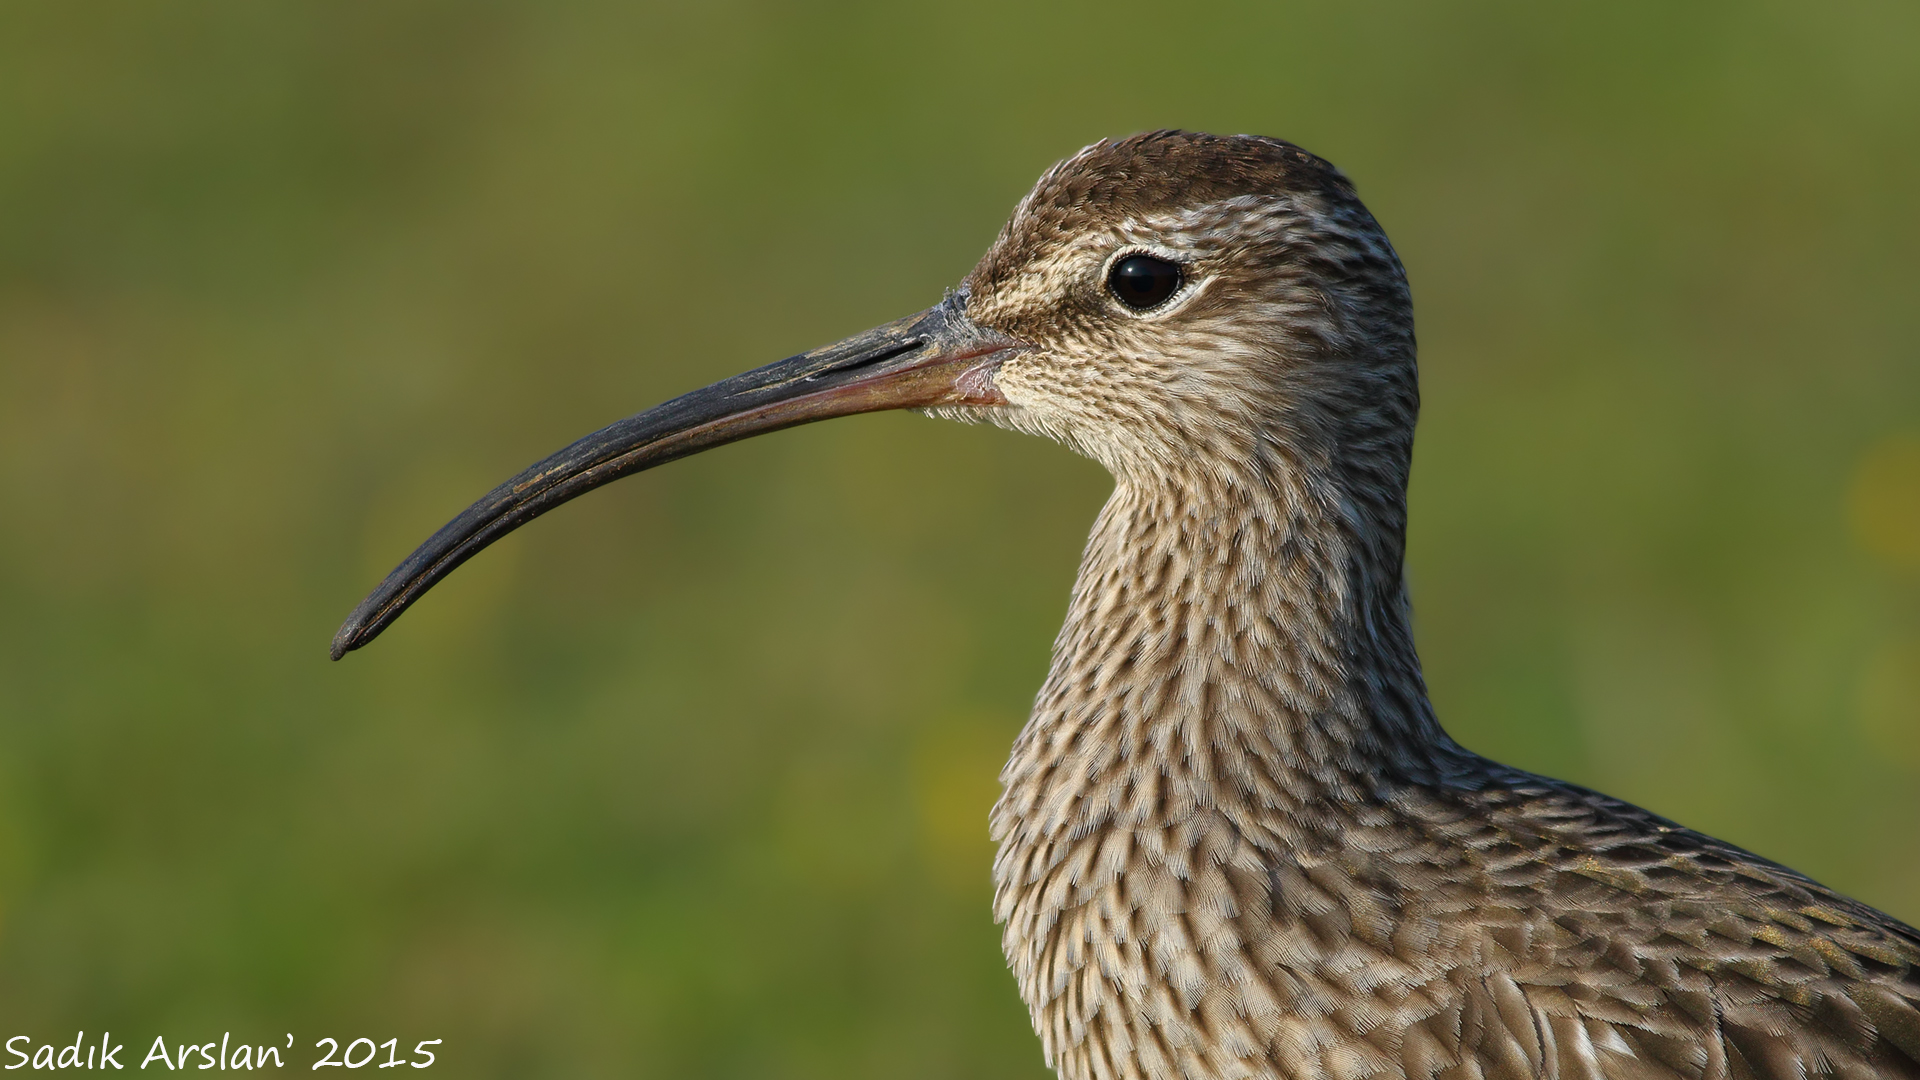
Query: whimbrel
1234, 841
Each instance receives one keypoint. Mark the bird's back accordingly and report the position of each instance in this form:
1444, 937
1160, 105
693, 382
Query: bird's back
1516, 928
1599, 940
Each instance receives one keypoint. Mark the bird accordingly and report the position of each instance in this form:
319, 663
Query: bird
1234, 840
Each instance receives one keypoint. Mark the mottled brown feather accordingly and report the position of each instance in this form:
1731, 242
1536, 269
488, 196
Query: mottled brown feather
1234, 840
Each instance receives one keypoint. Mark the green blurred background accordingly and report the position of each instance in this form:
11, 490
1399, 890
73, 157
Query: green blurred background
690, 779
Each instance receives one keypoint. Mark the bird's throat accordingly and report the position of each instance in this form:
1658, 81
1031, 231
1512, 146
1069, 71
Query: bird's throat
1238, 650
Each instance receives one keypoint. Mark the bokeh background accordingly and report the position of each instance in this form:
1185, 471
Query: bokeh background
690, 779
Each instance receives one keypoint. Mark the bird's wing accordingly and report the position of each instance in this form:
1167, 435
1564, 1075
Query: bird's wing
1600, 941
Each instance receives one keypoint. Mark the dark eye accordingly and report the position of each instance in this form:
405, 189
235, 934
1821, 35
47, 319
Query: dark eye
1141, 281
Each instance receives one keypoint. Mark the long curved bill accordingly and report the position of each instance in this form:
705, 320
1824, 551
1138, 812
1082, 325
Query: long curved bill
938, 357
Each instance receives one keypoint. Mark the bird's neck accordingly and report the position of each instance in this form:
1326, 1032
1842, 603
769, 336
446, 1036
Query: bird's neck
1230, 646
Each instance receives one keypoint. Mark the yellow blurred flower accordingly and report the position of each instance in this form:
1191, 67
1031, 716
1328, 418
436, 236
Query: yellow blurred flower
1883, 501
957, 780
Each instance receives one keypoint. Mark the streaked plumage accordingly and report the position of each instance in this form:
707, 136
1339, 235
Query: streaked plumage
1235, 843
1234, 840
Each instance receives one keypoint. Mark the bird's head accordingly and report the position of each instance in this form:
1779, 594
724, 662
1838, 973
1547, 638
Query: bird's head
1193, 302
1177, 306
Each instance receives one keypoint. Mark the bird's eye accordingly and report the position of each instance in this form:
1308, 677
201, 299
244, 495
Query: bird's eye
1142, 281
